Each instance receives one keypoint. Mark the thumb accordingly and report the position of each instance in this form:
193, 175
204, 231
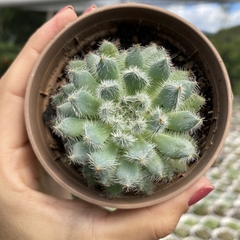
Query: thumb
157, 221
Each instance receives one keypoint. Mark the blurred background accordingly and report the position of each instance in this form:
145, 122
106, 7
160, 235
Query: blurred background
219, 20
217, 216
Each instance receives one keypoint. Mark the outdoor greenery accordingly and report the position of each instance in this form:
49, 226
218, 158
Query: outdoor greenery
16, 25
227, 42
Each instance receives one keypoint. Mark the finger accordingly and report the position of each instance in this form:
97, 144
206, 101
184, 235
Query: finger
91, 8
13, 84
154, 222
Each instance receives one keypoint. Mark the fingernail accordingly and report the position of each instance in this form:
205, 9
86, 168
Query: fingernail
65, 8
201, 193
89, 9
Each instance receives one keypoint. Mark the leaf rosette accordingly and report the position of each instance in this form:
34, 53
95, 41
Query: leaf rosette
125, 117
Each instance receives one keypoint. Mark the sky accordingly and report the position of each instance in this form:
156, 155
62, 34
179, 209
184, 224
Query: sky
208, 17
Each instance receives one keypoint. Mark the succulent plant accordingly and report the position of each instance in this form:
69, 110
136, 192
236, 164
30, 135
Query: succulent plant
182, 230
201, 231
125, 117
224, 233
210, 221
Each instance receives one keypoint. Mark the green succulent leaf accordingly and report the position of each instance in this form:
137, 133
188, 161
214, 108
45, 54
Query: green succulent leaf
128, 174
135, 80
193, 103
68, 89
155, 166
114, 190
83, 79
182, 121
104, 160
153, 56
148, 52
76, 64
108, 49
108, 90
175, 147
84, 103
107, 111
107, 68
160, 69
138, 126
95, 134
79, 153
134, 58
141, 152
122, 139
89, 175
70, 127
178, 75
157, 121
141, 101
66, 110
121, 61
58, 98
145, 185
187, 88
170, 96
178, 166
92, 61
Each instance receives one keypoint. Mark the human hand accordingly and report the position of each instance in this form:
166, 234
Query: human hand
29, 214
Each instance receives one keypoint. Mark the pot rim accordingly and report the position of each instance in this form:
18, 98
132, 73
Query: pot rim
140, 202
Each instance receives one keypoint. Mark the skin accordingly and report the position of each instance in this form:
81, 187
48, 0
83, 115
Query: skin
27, 213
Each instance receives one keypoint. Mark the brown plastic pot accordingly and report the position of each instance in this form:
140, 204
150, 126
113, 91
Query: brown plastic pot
131, 23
